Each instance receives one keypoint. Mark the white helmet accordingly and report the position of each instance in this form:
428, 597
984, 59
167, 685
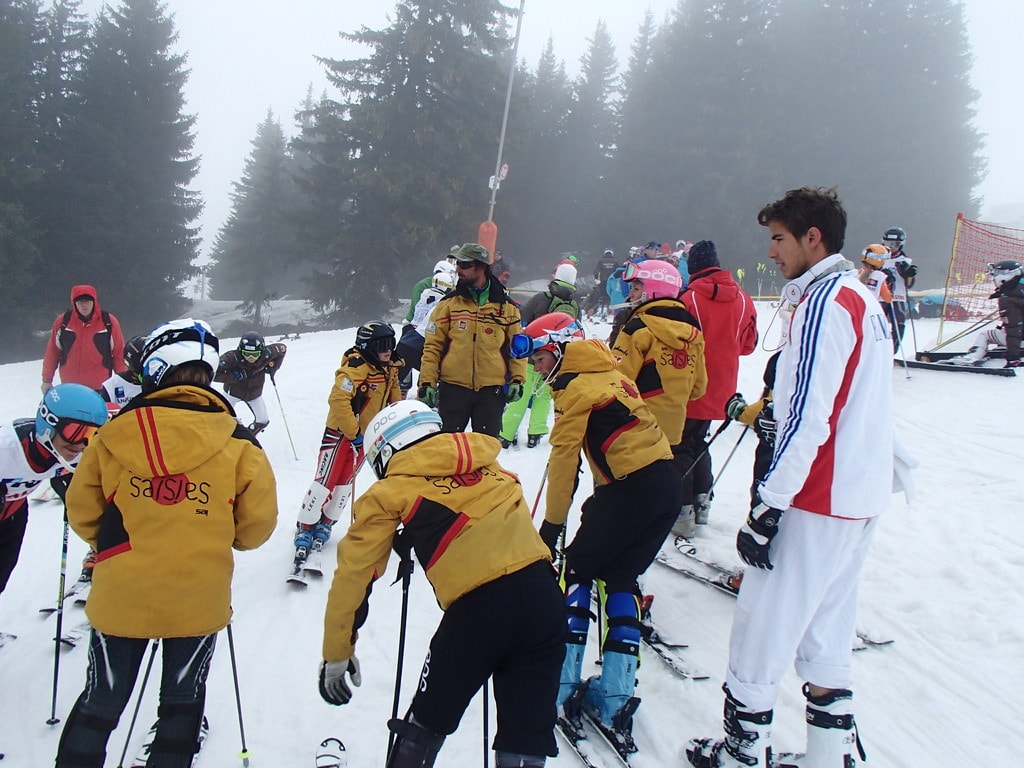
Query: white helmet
176, 343
444, 276
396, 427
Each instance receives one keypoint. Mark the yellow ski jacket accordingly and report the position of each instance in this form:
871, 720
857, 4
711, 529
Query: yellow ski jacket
360, 391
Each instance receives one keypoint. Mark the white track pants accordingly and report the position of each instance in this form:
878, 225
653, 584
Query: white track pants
257, 406
806, 606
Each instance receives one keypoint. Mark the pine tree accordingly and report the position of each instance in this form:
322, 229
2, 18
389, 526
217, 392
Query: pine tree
257, 246
122, 212
417, 126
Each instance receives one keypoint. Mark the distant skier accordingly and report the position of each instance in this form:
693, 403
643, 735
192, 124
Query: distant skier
1009, 291
445, 497
85, 343
244, 371
410, 346
366, 382
902, 275
34, 450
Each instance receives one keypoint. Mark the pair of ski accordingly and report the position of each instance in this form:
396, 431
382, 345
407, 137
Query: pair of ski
308, 563
728, 580
577, 734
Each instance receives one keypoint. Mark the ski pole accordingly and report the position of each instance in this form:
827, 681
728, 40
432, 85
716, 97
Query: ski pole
487, 722
728, 458
244, 754
898, 337
707, 447
60, 619
543, 482
284, 419
138, 702
405, 568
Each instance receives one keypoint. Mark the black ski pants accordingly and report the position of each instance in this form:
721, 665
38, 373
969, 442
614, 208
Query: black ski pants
12, 534
693, 451
511, 630
113, 667
623, 525
459, 406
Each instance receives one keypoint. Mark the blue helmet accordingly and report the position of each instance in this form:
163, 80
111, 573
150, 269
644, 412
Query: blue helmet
71, 410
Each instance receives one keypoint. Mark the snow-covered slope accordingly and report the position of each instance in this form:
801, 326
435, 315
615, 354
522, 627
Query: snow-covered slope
942, 580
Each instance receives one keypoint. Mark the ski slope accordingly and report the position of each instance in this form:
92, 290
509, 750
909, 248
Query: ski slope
942, 580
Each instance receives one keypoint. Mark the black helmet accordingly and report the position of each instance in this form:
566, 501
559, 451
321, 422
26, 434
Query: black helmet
375, 337
133, 357
251, 347
1004, 271
895, 235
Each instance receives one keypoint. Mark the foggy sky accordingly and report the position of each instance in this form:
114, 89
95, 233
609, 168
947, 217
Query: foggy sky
248, 56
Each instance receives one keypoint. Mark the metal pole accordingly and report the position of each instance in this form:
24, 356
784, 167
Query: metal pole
60, 620
244, 755
284, 419
504, 118
138, 702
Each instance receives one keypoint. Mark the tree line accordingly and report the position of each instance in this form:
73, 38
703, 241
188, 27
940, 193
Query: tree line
719, 108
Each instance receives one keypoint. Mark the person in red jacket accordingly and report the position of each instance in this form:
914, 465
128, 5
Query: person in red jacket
728, 321
85, 343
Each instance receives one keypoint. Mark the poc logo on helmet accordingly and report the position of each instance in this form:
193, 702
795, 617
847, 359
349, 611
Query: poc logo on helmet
49, 416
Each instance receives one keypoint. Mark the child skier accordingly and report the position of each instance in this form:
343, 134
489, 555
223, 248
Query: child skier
623, 524
467, 520
1007, 275
244, 371
410, 346
122, 387
366, 381
164, 493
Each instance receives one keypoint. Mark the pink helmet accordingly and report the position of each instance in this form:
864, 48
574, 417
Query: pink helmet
660, 279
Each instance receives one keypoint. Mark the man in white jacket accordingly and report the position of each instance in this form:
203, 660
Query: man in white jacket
811, 524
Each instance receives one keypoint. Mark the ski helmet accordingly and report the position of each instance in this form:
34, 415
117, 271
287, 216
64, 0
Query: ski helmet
72, 411
895, 235
251, 347
375, 337
550, 332
133, 357
875, 255
660, 279
1004, 271
176, 343
608, 252
396, 427
444, 276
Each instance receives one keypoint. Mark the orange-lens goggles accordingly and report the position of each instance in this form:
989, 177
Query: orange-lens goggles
76, 432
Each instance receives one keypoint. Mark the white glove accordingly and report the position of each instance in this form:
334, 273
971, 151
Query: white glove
334, 688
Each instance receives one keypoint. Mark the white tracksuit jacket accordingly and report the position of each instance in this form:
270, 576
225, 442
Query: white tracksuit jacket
834, 453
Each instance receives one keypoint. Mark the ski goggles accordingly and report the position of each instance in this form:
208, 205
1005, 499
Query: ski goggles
251, 355
75, 432
524, 345
382, 344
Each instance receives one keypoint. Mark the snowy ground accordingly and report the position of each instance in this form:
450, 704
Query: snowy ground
942, 580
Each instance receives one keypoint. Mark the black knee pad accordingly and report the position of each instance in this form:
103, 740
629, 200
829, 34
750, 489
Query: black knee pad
415, 746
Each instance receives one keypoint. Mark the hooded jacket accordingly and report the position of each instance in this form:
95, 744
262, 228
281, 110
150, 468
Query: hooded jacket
467, 343
84, 350
728, 319
460, 511
163, 493
598, 410
661, 348
360, 391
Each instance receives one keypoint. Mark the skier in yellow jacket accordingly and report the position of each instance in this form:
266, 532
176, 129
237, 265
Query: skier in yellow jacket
467, 371
636, 499
366, 382
163, 493
467, 521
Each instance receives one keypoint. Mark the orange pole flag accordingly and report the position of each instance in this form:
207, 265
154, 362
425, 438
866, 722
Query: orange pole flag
487, 236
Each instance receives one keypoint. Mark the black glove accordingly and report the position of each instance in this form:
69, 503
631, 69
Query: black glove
754, 541
271, 370
549, 533
765, 425
60, 484
334, 688
735, 407
906, 270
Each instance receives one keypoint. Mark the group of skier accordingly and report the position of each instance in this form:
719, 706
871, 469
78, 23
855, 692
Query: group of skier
638, 408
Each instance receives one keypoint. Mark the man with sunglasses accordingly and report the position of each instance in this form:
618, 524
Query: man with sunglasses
32, 450
466, 370
244, 371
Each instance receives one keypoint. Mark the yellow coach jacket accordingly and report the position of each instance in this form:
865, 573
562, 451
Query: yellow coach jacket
661, 348
360, 391
467, 343
464, 516
164, 492
599, 410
